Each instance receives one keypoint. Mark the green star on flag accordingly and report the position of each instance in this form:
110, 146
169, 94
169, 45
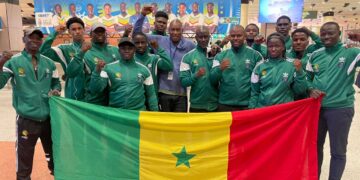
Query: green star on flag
183, 157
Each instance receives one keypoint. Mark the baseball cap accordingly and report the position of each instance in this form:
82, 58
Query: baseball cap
30, 31
97, 25
126, 40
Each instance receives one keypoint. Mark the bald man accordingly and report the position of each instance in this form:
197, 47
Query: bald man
195, 73
232, 70
172, 96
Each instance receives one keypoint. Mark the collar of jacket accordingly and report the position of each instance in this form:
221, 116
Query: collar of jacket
334, 48
143, 56
131, 61
29, 56
243, 46
97, 46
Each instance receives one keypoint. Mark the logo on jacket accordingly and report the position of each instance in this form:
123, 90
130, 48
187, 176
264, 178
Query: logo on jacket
316, 67
247, 63
96, 60
140, 78
341, 62
285, 77
263, 72
72, 55
21, 71
47, 72
118, 75
195, 62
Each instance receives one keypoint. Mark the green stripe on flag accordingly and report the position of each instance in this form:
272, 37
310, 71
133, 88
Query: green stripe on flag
106, 140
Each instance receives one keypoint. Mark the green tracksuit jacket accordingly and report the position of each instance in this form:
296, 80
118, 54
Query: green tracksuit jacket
234, 82
30, 94
332, 70
203, 94
64, 54
107, 53
160, 60
275, 81
130, 85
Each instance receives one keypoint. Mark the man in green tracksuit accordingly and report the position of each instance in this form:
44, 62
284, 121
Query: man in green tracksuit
65, 53
302, 50
34, 78
300, 47
232, 69
277, 79
100, 51
332, 71
195, 73
154, 62
130, 83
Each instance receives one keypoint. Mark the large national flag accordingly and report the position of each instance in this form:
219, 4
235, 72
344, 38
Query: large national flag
95, 142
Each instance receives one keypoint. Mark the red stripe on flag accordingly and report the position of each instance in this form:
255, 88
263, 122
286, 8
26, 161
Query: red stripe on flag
277, 142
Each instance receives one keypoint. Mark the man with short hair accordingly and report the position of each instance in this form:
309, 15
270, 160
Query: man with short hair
172, 96
34, 79
130, 82
160, 24
168, 10
195, 73
232, 70
332, 70
66, 53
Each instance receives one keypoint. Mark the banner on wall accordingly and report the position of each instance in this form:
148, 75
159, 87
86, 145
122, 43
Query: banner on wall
219, 16
270, 10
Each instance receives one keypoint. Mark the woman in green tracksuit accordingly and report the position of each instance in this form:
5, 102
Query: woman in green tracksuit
154, 62
130, 83
277, 79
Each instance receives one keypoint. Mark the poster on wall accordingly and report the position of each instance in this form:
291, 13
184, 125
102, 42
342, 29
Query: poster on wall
270, 10
219, 16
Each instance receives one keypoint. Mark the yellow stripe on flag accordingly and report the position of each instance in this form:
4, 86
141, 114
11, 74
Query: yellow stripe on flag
179, 145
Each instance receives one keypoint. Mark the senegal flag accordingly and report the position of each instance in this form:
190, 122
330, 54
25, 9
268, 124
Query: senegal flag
103, 143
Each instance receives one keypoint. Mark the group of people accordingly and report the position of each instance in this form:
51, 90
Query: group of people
118, 23
160, 72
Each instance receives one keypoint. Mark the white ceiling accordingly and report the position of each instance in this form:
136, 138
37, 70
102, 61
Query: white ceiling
348, 16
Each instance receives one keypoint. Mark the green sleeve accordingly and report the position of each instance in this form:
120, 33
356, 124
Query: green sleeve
98, 82
164, 62
318, 44
187, 78
261, 49
49, 52
255, 89
215, 73
299, 86
309, 74
55, 81
76, 65
151, 98
5, 74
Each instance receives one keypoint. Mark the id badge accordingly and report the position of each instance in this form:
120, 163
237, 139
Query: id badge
170, 76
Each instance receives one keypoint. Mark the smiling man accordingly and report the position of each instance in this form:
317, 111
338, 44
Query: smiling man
332, 71
195, 73
232, 69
